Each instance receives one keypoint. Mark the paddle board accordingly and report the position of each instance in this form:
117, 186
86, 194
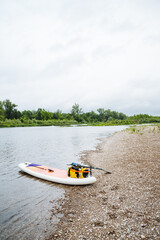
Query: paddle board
53, 174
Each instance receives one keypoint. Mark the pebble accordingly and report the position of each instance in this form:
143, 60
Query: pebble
142, 236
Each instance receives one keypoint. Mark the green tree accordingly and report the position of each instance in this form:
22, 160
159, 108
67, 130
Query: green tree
114, 115
27, 114
46, 115
76, 112
110, 119
2, 112
38, 114
90, 116
58, 115
108, 114
101, 116
122, 116
16, 114
9, 109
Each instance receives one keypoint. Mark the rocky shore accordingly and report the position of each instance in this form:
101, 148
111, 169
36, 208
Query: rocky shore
122, 205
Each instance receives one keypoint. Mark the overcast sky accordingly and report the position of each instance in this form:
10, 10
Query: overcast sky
97, 53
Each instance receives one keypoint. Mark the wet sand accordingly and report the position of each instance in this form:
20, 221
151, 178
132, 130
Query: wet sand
122, 205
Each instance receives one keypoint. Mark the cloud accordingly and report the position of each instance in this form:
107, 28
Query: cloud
98, 54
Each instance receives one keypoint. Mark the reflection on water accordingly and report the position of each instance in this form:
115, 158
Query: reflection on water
24, 200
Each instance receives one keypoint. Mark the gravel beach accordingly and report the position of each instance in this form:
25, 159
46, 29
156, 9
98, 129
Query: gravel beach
122, 205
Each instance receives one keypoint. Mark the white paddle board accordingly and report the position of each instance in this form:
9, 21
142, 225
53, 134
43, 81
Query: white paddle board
54, 174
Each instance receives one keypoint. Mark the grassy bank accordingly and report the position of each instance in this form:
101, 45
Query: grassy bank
66, 122
34, 123
143, 129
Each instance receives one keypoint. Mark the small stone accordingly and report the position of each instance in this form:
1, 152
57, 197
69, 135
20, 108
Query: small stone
143, 225
98, 224
142, 236
70, 220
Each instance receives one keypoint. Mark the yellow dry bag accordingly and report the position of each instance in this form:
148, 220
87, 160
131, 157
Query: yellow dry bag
75, 172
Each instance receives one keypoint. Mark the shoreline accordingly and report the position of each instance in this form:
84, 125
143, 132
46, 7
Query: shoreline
121, 205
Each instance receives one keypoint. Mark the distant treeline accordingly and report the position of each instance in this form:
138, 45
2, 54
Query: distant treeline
10, 116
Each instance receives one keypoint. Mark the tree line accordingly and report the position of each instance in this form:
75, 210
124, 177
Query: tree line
9, 111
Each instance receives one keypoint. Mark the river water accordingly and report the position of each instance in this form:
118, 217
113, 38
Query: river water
26, 202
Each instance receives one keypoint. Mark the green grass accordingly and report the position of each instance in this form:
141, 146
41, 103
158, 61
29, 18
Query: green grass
141, 129
34, 123
66, 122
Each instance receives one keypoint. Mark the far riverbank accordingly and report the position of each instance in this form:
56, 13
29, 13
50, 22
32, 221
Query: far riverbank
66, 122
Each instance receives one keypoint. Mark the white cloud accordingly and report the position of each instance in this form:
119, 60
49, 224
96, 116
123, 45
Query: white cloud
96, 53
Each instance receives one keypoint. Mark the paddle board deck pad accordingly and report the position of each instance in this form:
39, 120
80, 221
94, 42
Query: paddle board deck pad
53, 174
